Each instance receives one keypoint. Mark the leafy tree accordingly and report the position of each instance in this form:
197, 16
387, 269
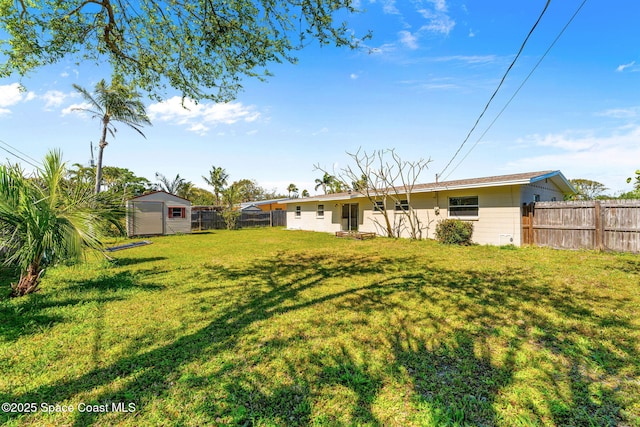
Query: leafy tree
587, 189
113, 103
231, 197
202, 197
635, 193
305, 193
636, 180
199, 47
292, 189
186, 190
250, 191
218, 180
44, 220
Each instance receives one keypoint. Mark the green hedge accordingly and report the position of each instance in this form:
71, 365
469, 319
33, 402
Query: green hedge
454, 232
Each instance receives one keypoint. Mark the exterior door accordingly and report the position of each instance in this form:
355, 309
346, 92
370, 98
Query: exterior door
350, 217
147, 218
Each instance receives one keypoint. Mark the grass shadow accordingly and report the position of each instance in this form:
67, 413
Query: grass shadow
452, 385
454, 381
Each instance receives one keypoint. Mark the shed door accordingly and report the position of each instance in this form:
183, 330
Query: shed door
147, 218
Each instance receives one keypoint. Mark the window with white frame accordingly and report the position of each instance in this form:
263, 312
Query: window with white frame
402, 205
298, 211
320, 211
177, 212
463, 207
378, 206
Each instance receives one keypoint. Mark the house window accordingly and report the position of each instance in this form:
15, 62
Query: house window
463, 207
402, 205
298, 211
378, 206
536, 197
177, 212
320, 211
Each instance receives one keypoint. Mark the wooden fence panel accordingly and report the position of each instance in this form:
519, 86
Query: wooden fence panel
621, 225
608, 225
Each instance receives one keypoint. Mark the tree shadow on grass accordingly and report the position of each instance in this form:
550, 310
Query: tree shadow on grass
112, 282
456, 384
452, 385
28, 315
125, 261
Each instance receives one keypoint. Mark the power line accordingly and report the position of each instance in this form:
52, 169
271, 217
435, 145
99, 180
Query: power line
520, 87
21, 152
504, 77
20, 157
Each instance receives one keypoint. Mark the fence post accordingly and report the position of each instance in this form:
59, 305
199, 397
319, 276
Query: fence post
599, 225
531, 207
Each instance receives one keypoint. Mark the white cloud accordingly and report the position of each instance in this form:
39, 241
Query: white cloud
389, 7
76, 109
12, 94
631, 65
353, 76
53, 99
469, 59
621, 113
200, 117
408, 39
439, 5
438, 21
321, 131
603, 158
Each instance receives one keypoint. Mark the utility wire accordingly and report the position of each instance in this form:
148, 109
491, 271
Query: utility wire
504, 77
20, 157
520, 87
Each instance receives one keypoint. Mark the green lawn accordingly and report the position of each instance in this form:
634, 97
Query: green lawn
275, 327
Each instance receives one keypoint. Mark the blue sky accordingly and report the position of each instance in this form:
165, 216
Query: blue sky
418, 87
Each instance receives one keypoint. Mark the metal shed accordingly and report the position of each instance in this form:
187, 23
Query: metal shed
158, 213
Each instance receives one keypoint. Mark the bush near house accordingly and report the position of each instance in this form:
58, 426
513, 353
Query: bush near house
454, 232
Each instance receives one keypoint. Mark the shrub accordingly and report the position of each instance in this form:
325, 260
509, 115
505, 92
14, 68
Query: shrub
454, 232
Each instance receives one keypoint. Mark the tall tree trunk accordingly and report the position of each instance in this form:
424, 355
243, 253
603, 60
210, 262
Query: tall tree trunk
103, 143
29, 280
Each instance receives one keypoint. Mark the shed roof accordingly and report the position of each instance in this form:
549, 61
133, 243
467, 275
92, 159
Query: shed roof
490, 181
157, 192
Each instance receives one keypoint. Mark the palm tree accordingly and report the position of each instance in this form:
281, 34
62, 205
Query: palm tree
44, 220
326, 181
115, 103
170, 186
305, 193
218, 180
292, 189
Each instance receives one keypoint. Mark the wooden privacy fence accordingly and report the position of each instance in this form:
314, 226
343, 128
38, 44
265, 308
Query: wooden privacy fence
595, 224
213, 220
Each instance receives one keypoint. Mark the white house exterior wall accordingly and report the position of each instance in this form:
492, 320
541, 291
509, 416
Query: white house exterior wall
498, 220
309, 220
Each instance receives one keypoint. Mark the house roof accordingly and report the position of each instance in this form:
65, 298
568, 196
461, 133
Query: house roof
490, 181
159, 191
263, 202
